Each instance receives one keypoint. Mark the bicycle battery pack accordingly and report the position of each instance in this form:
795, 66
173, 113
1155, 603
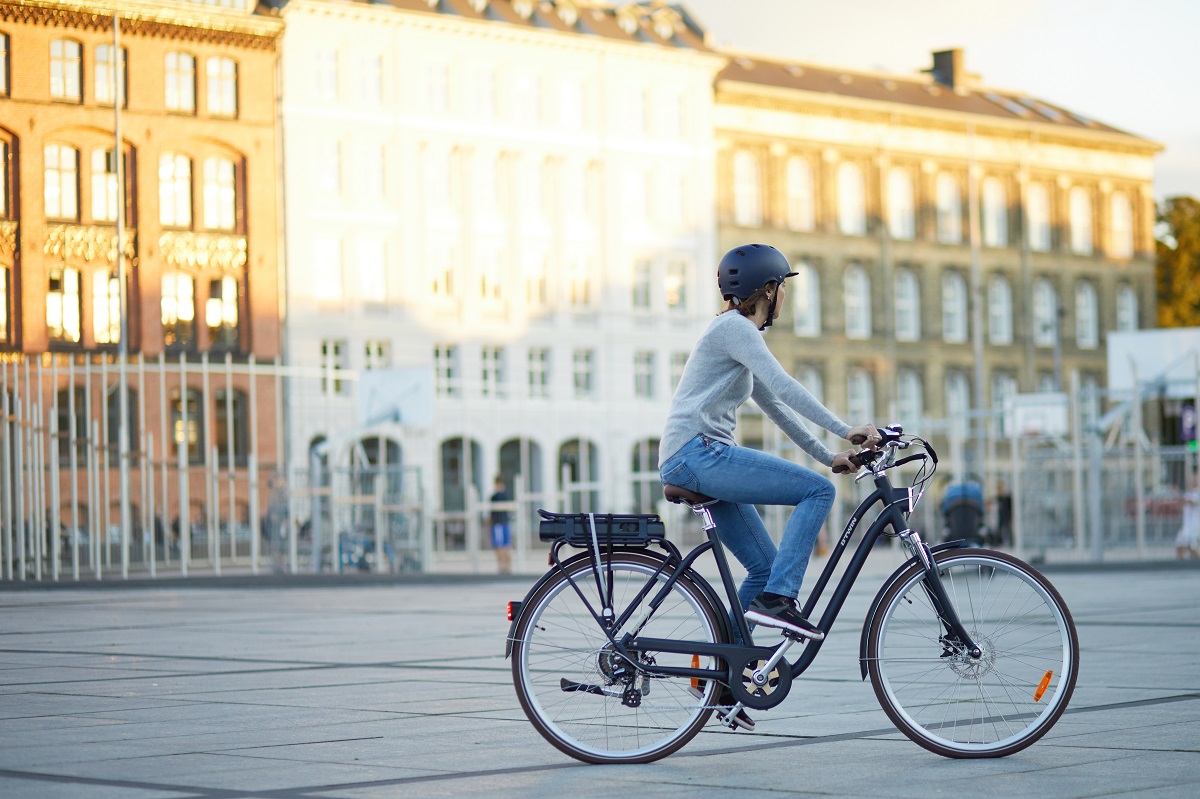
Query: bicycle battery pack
625, 530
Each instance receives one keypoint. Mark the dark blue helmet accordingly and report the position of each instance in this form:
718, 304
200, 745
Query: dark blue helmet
748, 268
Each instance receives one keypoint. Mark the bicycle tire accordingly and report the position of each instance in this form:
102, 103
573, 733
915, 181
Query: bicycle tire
558, 644
961, 707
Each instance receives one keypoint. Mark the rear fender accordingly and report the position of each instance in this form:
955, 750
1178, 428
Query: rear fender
894, 578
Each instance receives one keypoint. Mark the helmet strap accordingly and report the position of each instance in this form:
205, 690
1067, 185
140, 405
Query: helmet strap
770, 310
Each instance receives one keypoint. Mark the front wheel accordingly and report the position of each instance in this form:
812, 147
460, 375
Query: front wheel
959, 706
583, 697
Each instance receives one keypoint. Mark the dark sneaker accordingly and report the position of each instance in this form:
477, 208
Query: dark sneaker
774, 610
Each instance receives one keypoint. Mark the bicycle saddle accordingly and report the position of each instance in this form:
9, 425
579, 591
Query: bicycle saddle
678, 494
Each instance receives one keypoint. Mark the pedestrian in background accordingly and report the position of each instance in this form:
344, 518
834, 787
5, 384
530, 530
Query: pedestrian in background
1187, 543
501, 529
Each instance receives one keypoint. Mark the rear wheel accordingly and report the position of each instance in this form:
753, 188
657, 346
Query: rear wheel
592, 703
959, 706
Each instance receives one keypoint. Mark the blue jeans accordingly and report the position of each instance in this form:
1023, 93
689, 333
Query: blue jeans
742, 478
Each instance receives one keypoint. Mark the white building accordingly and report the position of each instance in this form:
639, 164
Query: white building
517, 198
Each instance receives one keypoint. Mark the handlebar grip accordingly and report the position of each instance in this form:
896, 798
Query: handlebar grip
864, 458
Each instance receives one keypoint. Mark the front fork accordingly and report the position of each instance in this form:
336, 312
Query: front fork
936, 591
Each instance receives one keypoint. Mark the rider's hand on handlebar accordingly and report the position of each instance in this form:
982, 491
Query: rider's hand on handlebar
865, 435
844, 463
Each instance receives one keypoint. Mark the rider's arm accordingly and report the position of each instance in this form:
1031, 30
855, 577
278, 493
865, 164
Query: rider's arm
792, 427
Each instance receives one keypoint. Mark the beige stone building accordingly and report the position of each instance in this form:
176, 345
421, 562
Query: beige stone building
956, 244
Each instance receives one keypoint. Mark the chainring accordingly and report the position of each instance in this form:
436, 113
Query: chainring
760, 697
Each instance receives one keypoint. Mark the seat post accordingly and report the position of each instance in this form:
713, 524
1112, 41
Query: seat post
703, 512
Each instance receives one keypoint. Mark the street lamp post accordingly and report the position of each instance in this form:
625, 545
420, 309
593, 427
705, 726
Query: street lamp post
123, 341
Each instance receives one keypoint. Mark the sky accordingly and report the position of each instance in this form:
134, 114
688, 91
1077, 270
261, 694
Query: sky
1133, 64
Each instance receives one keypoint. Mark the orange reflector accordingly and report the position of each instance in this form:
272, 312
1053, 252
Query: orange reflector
1042, 686
695, 665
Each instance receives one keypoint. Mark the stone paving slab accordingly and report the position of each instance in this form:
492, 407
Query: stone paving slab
396, 690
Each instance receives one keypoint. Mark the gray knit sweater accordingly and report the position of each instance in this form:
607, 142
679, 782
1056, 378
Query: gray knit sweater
731, 363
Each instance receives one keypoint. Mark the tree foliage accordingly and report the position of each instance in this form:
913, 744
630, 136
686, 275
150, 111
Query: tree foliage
1178, 268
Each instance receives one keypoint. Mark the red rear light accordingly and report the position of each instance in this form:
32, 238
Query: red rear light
514, 609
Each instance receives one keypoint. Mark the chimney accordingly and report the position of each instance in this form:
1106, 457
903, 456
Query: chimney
949, 70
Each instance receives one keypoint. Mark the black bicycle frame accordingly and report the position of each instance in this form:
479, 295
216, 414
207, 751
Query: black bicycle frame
894, 500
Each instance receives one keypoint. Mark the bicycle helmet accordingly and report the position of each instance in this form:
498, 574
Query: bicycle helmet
748, 268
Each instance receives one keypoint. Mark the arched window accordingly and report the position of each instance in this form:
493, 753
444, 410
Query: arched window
805, 289
1121, 226
800, 212
958, 395
1045, 313
1127, 308
901, 216
856, 285
1080, 210
852, 200
647, 488
1087, 312
860, 395
579, 475
462, 471
954, 308
747, 190
1000, 310
910, 397
522, 457
1037, 217
220, 194
949, 210
1004, 389
908, 305
175, 190
995, 214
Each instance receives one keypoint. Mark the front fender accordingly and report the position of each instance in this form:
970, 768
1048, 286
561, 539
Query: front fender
891, 580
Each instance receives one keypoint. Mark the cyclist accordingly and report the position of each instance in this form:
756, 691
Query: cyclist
731, 363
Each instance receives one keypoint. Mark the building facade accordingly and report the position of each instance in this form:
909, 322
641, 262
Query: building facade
515, 200
956, 244
196, 217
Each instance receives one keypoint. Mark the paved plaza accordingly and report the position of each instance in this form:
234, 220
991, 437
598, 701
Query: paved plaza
359, 691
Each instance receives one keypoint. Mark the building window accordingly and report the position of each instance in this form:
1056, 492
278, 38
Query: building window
178, 307
222, 87
334, 361
495, 377
6, 181
643, 374
372, 274
221, 312
857, 288
647, 487
106, 308
584, 371
175, 190
539, 372
232, 427
66, 70
910, 397
643, 272
62, 182
189, 434
448, 370
1045, 313
104, 186
958, 395
4, 65
180, 80
1000, 311
901, 216
747, 190
1080, 209
1004, 390
5, 337
675, 286
63, 306
103, 83
579, 282
579, 475
370, 78
535, 280
377, 354
800, 206
1037, 217
852, 200
954, 308
1087, 311
949, 210
325, 75
810, 378
806, 299
995, 213
860, 395
220, 194
1121, 226
908, 306
72, 402
678, 364
1127, 308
